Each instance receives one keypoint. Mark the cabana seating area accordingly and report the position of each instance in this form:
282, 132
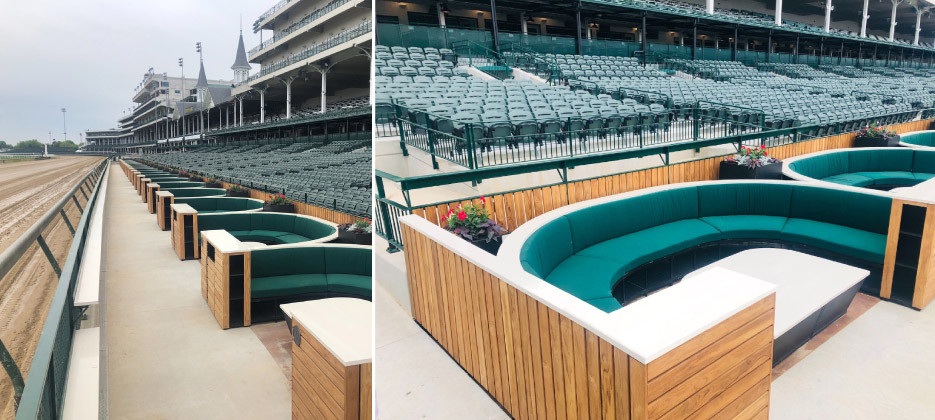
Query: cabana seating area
670, 232
241, 281
254, 261
871, 167
676, 299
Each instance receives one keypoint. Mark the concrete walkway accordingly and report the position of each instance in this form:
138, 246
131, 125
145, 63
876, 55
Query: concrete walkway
415, 378
167, 358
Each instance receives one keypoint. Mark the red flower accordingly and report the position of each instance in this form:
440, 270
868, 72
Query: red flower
762, 146
483, 200
462, 216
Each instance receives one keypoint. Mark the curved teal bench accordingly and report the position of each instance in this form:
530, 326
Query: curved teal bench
164, 186
877, 168
208, 205
195, 192
323, 271
267, 228
588, 249
918, 139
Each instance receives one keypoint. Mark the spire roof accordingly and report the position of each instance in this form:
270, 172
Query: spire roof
202, 80
240, 61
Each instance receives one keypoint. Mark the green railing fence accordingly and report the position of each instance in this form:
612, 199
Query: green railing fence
42, 394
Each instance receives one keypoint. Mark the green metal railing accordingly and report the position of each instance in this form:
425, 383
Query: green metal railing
750, 133
42, 394
482, 58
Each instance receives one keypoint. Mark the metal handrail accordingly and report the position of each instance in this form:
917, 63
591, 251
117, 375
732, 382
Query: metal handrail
44, 394
11, 256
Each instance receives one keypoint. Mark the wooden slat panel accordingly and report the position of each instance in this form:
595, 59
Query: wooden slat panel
323, 388
538, 364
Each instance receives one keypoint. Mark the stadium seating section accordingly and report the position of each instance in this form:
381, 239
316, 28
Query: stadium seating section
329, 171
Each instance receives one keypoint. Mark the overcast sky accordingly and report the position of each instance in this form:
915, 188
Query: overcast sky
88, 56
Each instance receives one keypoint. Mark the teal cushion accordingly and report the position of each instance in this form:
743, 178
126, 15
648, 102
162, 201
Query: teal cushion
747, 226
822, 166
348, 260
586, 277
297, 284
291, 238
923, 177
921, 139
646, 245
311, 228
351, 284
602, 222
852, 180
287, 261
878, 160
546, 248
732, 199
606, 304
890, 177
841, 239
271, 234
840, 207
273, 221
923, 161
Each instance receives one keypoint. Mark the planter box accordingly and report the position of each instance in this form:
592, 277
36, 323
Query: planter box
213, 185
195, 179
238, 194
889, 140
491, 247
279, 208
729, 170
356, 238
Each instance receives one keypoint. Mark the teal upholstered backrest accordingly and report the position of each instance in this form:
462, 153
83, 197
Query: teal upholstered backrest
822, 166
287, 261
199, 203
920, 139
546, 248
195, 192
606, 221
847, 208
747, 199
312, 229
879, 160
923, 161
180, 184
231, 204
280, 222
340, 260
226, 221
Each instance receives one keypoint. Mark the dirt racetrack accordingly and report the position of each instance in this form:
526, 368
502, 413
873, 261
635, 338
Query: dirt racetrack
27, 190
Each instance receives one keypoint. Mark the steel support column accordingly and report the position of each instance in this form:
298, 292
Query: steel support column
493, 20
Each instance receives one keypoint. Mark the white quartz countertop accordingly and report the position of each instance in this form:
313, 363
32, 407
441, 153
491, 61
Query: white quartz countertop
183, 208
805, 283
343, 325
657, 324
921, 193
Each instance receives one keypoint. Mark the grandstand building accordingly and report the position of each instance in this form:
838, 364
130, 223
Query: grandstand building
597, 135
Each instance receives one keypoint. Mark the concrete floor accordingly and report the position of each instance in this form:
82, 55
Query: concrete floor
415, 378
881, 366
167, 358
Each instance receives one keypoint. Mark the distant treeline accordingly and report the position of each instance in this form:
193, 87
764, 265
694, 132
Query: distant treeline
32, 144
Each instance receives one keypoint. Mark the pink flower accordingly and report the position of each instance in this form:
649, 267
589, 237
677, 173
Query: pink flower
462, 216
483, 200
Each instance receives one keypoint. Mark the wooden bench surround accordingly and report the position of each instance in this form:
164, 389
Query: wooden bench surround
701, 349
235, 274
271, 228
184, 224
332, 369
909, 269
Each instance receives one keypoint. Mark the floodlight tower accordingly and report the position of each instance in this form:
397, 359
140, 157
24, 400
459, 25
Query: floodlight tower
182, 110
64, 125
